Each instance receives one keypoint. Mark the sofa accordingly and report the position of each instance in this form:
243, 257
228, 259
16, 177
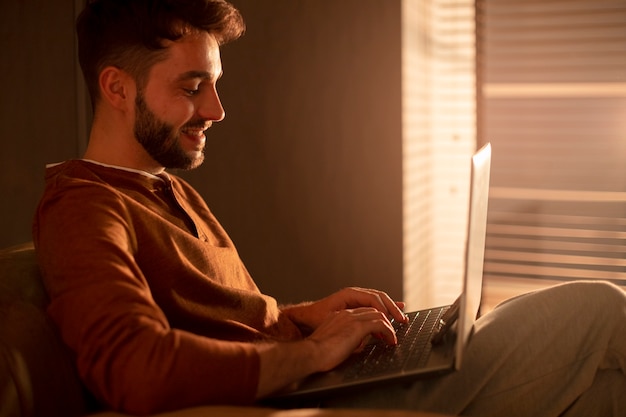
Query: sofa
37, 374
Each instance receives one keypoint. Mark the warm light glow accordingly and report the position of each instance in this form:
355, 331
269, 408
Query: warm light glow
538, 194
550, 90
439, 138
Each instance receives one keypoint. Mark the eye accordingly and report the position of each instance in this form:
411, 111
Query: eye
191, 88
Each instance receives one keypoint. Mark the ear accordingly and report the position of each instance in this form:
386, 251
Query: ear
117, 87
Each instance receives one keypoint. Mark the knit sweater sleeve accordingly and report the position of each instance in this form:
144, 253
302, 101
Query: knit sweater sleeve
126, 351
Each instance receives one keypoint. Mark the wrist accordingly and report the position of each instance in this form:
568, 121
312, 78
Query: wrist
310, 354
299, 314
285, 363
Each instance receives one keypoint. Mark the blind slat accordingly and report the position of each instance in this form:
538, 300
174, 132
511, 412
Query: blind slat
552, 100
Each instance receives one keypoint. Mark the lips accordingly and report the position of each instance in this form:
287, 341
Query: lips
194, 137
194, 132
195, 129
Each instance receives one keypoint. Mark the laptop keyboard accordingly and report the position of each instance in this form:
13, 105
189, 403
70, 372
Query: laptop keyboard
411, 352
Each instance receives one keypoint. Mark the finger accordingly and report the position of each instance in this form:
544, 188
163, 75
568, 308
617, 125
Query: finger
377, 324
366, 341
397, 312
383, 302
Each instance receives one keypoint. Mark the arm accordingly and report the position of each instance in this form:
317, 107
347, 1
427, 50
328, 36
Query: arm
126, 351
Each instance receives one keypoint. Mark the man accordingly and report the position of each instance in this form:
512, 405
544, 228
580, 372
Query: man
149, 292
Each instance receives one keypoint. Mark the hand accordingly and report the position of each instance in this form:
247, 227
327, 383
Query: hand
343, 332
312, 315
338, 324
330, 344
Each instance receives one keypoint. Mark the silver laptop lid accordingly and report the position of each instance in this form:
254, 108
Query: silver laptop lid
475, 247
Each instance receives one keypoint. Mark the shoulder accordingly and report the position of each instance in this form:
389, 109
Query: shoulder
74, 186
80, 200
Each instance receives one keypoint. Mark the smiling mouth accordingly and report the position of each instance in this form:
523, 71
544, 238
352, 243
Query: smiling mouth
194, 132
196, 129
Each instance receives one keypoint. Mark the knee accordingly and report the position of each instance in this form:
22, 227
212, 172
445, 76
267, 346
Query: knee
598, 290
570, 301
606, 296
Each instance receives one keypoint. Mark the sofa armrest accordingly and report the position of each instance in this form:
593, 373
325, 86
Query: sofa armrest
38, 377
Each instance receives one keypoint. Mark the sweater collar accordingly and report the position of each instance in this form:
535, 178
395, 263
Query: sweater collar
163, 176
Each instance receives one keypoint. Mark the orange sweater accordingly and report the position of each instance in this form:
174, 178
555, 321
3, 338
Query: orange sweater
149, 291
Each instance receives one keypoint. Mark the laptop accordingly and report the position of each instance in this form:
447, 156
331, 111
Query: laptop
434, 340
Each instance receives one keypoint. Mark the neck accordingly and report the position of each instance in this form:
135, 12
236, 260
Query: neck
112, 145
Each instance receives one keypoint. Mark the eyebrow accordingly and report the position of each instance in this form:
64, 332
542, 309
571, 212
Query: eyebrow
192, 75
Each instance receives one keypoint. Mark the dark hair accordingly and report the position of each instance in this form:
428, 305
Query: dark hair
130, 34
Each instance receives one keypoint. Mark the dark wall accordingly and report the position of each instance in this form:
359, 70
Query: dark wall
305, 171
38, 122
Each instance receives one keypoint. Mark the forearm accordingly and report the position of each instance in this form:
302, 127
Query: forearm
282, 364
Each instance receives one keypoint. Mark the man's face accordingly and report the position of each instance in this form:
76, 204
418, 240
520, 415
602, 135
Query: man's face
180, 102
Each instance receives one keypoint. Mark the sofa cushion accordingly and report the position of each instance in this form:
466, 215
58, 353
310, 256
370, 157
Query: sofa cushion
37, 375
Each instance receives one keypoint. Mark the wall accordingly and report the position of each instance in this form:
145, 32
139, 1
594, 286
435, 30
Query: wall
38, 114
305, 172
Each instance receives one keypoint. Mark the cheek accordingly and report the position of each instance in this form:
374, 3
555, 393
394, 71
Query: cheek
170, 107
175, 112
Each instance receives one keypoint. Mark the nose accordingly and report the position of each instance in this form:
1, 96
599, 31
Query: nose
210, 107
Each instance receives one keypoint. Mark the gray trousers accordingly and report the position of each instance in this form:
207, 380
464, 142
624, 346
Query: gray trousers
555, 352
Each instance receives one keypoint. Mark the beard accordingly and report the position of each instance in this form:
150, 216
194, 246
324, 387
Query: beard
162, 140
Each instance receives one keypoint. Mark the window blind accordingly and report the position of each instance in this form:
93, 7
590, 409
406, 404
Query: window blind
552, 101
439, 136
